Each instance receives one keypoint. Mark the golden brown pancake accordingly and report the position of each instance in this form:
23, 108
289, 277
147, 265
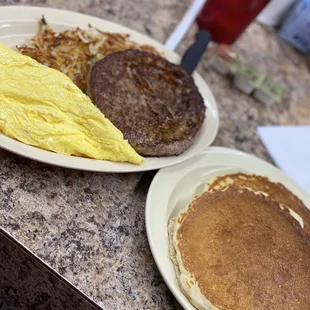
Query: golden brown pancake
244, 252
276, 191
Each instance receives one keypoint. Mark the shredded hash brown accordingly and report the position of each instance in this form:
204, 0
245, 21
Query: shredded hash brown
74, 51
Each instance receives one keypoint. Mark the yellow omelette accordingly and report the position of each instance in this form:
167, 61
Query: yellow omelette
42, 107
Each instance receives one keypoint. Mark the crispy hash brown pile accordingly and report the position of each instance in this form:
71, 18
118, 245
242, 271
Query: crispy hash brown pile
74, 51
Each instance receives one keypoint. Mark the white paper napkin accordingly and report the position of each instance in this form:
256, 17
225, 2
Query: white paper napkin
289, 147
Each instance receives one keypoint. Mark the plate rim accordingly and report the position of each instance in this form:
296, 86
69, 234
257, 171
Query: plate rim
161, 175
87, 164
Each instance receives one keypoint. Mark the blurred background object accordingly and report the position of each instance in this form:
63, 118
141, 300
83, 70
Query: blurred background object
287, 146
226, 20
296, 28
184, 25
274, 12
221, 21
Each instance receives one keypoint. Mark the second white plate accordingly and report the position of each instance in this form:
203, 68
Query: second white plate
174, 187
20, 23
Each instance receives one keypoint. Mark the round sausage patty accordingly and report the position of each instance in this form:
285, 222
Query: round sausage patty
155, 103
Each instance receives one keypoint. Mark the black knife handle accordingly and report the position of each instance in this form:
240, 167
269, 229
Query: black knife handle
195, 51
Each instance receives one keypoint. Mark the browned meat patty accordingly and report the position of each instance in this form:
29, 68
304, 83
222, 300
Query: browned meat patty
154, 103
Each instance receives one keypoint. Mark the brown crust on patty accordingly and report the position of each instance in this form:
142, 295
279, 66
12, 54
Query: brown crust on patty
154, 103
245, 252
276, 191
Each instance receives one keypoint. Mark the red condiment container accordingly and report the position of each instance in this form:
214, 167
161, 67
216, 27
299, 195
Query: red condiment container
227, 19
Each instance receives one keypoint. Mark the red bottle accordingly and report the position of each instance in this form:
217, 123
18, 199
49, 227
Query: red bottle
227, 19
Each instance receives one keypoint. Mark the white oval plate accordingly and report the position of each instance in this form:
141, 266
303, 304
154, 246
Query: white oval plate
20, 23
174, 187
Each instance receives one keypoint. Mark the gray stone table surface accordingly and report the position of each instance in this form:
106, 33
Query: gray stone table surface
90, 226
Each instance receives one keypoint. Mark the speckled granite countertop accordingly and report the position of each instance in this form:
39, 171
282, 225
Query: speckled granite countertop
90, 226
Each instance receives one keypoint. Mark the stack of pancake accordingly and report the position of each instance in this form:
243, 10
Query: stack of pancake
243, 244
